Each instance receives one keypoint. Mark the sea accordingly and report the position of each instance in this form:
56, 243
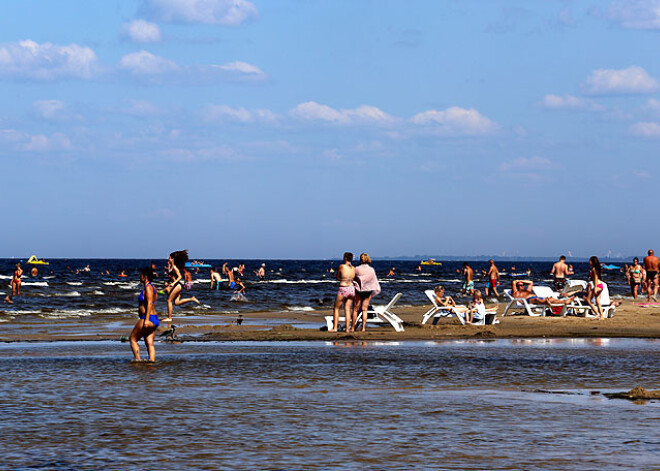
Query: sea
78, 288
521, 404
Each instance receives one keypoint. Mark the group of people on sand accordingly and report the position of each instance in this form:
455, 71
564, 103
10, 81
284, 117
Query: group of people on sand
357, 285
644, 277
476, 310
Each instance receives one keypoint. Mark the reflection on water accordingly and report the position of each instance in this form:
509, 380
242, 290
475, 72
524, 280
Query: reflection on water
410, 405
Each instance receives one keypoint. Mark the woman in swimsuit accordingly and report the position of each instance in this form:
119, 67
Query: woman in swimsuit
148, 323
15, 284
635, 277
176, 264
346, 293
595, 287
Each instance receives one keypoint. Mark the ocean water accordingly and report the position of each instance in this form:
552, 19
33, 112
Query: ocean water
497, 405
62, 291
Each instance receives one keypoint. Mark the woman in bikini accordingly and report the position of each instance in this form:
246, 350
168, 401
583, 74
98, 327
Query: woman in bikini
148, 323
635, 275
15, 284
595, 287
176, 264
523, 289
346, 293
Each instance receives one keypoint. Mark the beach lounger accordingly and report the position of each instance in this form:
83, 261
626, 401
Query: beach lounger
446, 311
581, 308
436, 311
376, 315
521, 305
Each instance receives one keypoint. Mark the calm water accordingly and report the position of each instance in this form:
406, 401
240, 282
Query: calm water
60, 292
413, 405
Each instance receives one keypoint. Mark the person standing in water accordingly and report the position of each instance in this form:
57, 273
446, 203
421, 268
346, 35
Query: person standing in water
15, 284
148, 323
177, 264
346, 293
493, 275
215, 279
261, 272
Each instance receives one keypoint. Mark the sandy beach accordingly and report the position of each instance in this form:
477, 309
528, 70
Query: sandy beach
629, 322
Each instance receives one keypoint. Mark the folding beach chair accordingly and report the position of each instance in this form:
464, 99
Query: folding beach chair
376, 315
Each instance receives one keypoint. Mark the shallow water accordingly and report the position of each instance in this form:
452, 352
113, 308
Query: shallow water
411, 405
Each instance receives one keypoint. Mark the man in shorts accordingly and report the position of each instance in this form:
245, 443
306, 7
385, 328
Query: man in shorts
560, 271
651, 264
493, 276
468, 284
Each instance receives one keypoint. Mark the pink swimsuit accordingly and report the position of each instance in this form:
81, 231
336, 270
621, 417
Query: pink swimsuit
346, 291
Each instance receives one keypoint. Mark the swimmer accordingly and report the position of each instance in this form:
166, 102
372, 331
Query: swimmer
493, 275
148, 323
261, 272
15, 284
346, 293
390, 273
177, 262
34, 271
215, 279
468, 284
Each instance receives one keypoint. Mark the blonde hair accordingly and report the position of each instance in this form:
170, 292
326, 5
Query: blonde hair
477, 293
364, 258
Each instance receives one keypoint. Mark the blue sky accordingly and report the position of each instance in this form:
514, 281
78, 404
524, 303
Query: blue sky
303, 128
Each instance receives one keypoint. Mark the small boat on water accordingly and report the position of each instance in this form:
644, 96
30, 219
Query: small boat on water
33, 260
430, 261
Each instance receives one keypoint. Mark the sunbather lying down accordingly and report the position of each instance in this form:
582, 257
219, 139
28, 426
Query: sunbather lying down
523, 289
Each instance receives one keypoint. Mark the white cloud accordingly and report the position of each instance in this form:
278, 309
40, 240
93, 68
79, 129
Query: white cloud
526, 164
569, 102
30, 60
633, 80
456, 121
241, 115
155, 68
652, 105
146, 63
21, 141
646, 129
141, 31
364, 114
242, 71
220, 12
49, 109
635, 14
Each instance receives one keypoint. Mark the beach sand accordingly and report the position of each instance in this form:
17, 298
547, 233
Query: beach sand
630, 321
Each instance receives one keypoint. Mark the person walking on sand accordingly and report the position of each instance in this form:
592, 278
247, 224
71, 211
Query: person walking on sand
635, 275
15, 284
368, 287
560, 271
176, 264
493, 275
595, 287
346, 292
651, 264
468, 284
148, 323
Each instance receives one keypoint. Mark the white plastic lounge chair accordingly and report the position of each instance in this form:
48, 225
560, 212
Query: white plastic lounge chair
446, 311
436, 310
521, 305
581, 308
377, 315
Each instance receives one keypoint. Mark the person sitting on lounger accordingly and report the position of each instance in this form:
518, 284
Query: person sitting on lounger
523, 289
442, 300
477, 309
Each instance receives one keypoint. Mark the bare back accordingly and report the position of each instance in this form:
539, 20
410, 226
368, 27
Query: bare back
346, 274
651, 263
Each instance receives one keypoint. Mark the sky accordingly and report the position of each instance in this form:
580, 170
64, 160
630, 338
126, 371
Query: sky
305, 128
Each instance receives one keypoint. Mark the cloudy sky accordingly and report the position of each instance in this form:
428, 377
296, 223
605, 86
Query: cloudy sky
303, 128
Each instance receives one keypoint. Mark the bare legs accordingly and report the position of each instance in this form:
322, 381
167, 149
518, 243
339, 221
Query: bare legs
149, 333
175, 298
361, 303
348, 308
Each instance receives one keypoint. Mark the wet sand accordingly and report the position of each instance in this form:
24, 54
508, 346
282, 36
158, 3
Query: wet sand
629, 322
